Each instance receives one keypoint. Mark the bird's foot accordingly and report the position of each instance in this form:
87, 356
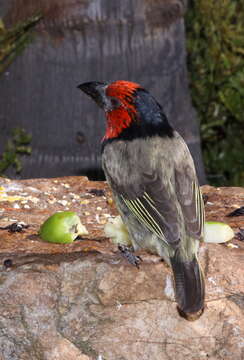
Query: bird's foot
127, 253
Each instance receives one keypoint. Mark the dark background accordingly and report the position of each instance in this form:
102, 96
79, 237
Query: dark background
78, 41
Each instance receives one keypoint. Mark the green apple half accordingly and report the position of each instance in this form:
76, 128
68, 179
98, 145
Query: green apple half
62, 227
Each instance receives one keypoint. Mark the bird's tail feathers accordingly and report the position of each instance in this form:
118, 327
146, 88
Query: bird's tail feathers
189, 286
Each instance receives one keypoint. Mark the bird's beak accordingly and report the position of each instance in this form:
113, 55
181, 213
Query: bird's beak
96, 90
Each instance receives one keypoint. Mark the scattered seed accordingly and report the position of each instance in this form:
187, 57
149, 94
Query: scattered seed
34, 199
84, 202
62, 202
16, 206
232, 246
119, 305
110, 201
51, 201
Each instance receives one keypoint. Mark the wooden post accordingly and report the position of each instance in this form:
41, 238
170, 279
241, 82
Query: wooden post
77, 41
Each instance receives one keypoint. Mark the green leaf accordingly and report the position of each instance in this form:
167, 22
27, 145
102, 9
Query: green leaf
16, 147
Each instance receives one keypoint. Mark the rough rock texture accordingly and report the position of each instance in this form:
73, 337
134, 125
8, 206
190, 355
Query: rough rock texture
83, 301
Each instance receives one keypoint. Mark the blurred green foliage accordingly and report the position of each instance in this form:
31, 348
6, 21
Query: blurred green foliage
215, 44
14, 40
17, 146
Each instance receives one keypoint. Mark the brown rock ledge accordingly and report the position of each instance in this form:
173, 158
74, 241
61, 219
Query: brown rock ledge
83, 301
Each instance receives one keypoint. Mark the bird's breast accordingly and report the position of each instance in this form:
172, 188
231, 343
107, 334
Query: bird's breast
127, 163
120, 164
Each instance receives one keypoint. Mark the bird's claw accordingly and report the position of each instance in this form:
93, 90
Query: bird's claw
127, 253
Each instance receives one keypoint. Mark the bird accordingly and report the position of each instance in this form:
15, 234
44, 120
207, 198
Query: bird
154, 184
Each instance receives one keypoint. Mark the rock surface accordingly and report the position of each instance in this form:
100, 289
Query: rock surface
83, 301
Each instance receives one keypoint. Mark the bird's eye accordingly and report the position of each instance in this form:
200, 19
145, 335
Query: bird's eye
115, 103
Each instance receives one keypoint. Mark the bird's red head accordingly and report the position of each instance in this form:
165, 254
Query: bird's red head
123, 111
116, 99
129, 109
122, 89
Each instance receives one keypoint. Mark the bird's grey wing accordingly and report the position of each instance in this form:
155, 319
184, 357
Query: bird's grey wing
154, 205
188, 192
168, 204
163, 214
191, 202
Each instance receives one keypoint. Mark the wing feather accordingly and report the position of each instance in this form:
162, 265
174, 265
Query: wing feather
169, 208
162, 190
140, 207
